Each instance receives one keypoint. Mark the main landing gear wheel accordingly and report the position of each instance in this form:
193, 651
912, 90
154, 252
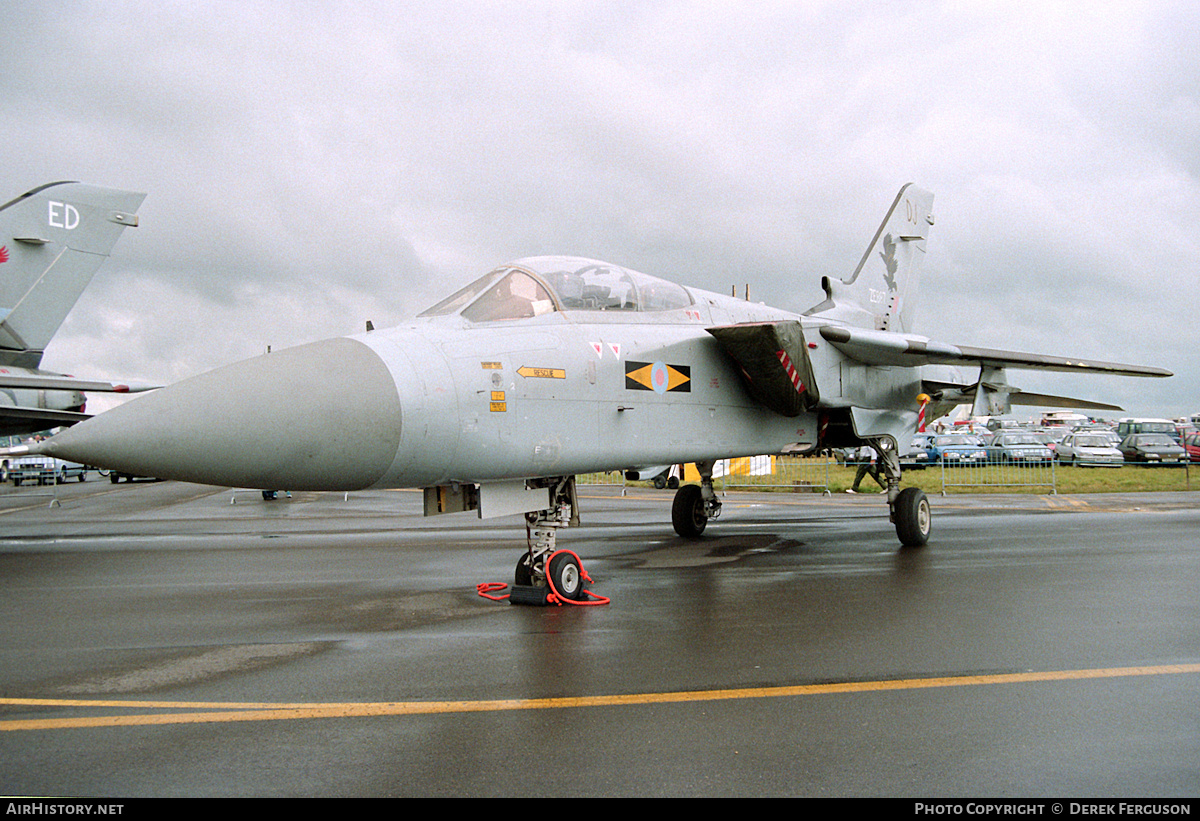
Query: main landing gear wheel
913, 517
688, 513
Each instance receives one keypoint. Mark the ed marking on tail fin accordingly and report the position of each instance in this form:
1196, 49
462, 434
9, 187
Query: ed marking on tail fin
52, 241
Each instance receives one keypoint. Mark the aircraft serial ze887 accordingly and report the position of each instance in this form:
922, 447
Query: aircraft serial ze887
496, 397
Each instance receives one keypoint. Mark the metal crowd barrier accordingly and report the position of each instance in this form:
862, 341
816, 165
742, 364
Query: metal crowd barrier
610, 478
812, 474
1000, 474
767, 472
797, 473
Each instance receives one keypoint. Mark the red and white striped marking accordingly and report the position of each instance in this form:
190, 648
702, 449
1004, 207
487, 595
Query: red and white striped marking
792, 373
924, 400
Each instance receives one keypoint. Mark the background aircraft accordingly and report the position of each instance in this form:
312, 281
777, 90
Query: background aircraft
53, 239
495, 398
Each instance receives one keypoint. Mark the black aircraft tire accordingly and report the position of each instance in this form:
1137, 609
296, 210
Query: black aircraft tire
914, 520
524, 575
687, 512
566, 576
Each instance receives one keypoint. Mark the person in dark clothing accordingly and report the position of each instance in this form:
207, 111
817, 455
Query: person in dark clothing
870, 467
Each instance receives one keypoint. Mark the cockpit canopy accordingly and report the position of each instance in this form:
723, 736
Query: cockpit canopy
537, 285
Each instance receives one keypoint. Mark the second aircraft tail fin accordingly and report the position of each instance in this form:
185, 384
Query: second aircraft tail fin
52, 241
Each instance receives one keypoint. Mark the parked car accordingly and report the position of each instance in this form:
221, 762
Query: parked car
1129, 426
1151, 448
117, 476
1089, 449
1050, 437
960, 449
64, 470
921, 453
40, 469
1018, 448
1191, 443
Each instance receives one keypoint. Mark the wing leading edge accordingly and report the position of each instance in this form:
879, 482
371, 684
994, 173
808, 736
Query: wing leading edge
991, 394
906, 350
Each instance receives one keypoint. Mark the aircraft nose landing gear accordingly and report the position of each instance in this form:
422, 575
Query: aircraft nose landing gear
557, 578
545, 574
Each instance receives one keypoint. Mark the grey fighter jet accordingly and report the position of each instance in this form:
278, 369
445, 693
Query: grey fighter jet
495, 398
52, 241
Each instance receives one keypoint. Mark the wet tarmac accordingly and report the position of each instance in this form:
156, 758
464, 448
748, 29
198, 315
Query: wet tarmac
158, 640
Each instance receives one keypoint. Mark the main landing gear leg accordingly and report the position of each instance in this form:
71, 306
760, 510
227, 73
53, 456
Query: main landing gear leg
695, 505
543, 569
908, 509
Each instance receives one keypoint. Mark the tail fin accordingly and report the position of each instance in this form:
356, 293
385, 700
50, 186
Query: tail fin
52, 240
882, 293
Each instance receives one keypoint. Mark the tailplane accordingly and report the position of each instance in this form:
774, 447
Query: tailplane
882, 293
52, 240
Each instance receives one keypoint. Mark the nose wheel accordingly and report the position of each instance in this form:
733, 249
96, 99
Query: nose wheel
565, 575
562, 575
552, 577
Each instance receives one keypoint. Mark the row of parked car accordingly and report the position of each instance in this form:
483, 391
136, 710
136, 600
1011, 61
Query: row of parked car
1089, 447
966, 449
1085, 447
1106, 448
44, 470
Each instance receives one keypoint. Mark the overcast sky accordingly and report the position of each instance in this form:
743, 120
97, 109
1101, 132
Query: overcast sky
313, 165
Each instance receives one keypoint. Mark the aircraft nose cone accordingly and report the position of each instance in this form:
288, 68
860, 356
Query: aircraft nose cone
324, 416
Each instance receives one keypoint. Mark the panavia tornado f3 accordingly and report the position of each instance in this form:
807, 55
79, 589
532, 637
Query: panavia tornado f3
496, 397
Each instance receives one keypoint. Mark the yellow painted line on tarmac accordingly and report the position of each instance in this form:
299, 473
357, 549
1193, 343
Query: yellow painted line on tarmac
1065, 502
38, 505
199, 712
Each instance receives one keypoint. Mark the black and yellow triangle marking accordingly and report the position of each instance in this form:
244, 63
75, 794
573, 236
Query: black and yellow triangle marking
657, 377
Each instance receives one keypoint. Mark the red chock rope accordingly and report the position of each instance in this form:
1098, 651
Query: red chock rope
487, 589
